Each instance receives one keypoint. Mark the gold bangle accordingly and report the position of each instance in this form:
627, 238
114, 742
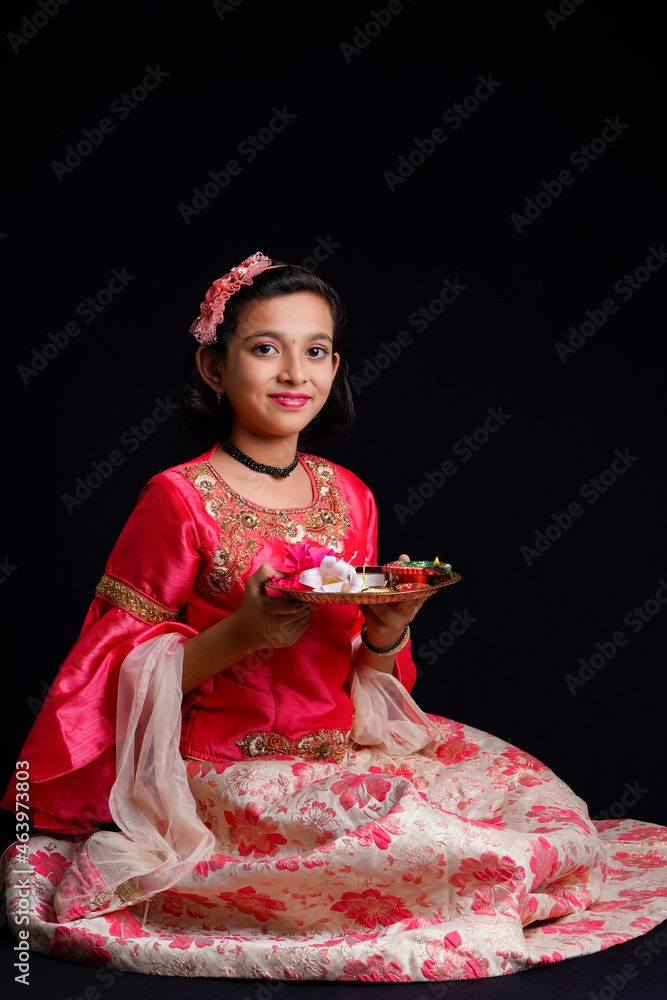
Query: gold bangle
390, 650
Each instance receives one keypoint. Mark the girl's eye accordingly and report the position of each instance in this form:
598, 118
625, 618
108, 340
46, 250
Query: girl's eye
317, 352
264, 349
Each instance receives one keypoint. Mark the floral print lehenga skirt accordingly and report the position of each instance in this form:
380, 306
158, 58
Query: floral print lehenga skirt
468, 858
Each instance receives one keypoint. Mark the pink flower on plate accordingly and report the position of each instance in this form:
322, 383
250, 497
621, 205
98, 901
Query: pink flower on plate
332, 576
304, 556
299, 558
290, 582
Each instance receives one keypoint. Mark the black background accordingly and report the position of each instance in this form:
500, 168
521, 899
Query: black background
322, 181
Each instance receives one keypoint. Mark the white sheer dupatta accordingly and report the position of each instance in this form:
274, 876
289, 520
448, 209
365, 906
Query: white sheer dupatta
163, 838
385, 716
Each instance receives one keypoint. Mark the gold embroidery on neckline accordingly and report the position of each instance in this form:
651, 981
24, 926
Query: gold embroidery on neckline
131, 600
243, 524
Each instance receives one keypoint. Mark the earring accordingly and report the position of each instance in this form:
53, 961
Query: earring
218, 395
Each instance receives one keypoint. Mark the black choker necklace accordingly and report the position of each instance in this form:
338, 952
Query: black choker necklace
270, 470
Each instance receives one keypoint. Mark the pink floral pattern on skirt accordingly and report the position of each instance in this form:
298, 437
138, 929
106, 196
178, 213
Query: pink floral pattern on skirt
471, 859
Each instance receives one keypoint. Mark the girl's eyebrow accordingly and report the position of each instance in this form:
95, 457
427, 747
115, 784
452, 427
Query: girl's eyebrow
286, 337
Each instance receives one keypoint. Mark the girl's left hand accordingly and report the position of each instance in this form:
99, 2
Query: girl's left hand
385, 623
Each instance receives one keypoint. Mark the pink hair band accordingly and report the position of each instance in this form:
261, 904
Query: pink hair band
212, 308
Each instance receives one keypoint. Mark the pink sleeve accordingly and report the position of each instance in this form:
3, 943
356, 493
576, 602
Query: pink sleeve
143, 594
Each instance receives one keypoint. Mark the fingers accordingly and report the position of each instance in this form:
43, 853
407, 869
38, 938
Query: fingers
289, 606
289, 629
376, 613
392, 614
255, 582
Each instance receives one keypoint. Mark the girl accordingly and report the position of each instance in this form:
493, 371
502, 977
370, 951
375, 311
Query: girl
282, 807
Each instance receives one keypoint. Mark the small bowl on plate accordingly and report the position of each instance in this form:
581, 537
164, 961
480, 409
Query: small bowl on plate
373, 576
418, 572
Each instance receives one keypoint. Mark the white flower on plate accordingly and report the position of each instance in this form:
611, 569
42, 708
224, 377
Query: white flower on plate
332, 576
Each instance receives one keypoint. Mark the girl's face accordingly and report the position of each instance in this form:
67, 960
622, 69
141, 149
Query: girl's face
280, 364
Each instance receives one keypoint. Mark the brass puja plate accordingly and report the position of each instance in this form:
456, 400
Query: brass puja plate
372, 595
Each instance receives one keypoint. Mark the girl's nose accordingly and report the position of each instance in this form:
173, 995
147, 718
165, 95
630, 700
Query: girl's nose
293, 369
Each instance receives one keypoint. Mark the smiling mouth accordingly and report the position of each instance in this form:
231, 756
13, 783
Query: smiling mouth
291, 401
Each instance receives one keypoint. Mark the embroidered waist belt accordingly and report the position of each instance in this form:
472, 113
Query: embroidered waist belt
325, 744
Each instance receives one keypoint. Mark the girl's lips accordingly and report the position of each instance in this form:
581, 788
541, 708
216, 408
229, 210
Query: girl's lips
290, 401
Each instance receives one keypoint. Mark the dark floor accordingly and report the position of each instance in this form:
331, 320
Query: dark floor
636, 970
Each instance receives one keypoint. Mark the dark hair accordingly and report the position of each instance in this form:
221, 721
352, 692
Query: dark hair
209, 420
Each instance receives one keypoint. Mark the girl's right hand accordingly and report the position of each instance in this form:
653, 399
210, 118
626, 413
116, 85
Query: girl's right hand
263, 622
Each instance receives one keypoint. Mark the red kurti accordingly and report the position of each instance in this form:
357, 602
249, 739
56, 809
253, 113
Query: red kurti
180, 565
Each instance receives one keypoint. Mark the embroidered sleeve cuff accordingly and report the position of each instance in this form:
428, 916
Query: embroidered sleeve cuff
132, 601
